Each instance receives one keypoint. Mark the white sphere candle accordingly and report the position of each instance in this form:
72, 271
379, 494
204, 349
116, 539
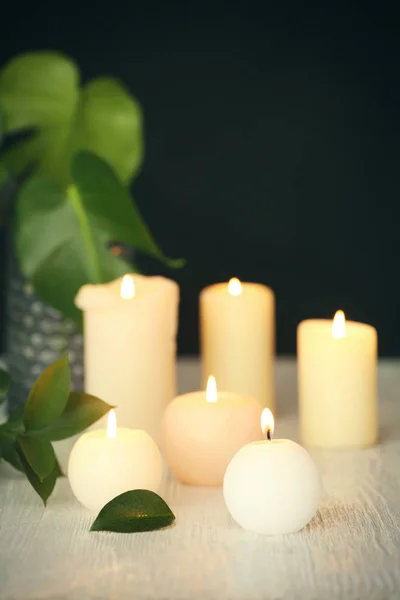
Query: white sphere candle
203, 430
104, 464
273, 486
337, 366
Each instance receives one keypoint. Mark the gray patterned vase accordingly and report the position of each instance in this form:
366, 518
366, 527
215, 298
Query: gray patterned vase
37, 335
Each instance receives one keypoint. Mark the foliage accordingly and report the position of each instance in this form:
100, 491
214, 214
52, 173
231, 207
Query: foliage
80, 147
81, 222
40, 93
51, 412
4, 383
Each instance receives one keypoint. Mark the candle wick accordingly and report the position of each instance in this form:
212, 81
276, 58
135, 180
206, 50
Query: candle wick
269, 437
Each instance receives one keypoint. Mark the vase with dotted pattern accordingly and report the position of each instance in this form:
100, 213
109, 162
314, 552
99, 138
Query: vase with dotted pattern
37, 335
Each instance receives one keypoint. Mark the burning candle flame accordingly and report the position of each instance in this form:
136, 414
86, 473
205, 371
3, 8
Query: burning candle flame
112, 424
267, 423
211, 391
127, 287
339, 325
234, 287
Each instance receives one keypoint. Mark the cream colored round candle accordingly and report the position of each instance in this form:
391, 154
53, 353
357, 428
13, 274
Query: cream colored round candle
106, 463
203, 430
237, 331
272, 487
130, 330
337, 374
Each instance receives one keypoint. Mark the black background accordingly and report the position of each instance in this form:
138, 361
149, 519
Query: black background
272, 141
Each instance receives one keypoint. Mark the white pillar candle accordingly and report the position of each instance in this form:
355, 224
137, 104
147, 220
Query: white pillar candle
203, 430
130, 330
337, 370
106, 463
272, 487
237, 331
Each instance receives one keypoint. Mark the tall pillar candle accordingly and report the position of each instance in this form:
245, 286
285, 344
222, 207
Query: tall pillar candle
337, 371
130, 328
237, 330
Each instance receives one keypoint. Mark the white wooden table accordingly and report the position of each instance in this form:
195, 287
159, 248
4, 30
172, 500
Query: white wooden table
350, 551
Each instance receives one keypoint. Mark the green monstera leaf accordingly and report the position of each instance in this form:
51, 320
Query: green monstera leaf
40, 92
7, 186
62, 236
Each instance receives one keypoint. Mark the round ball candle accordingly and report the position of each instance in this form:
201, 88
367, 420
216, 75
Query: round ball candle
106, 463
237, 331
337, 371
272, 487
203, 430
130, 330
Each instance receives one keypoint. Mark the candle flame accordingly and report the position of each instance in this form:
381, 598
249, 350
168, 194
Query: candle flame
339, 325
234, 287
127, 287
112, 424
267, 423
211, 391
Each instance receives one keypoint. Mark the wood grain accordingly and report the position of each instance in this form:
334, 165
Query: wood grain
350, 551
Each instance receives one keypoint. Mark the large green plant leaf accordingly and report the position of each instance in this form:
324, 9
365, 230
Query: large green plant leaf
40, 91
111, 207
95, 211
7, 183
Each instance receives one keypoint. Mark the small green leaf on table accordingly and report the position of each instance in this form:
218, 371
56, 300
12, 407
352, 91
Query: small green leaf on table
39, 453
133, 511
82, 410
48, 396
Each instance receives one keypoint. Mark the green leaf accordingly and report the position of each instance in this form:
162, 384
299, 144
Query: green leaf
16, 419
110, 125
97, 183
136, 510
40, 91
43, 488
7, 184
80, 223
48, 396
4, 384
9, 451
82, 410
39, 453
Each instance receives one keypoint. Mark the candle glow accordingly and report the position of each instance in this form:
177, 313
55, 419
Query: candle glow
267, 423
339, 325
234, 287
211, 391
112, 424
127, 287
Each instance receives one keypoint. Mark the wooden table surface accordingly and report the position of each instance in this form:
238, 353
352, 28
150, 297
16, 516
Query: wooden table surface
350, 551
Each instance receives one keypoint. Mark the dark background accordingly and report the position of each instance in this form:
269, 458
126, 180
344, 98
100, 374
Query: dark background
272, 143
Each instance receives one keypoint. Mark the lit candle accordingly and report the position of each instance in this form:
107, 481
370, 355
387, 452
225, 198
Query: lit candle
273, 486
237, 330
106, 463
130, 329
337, 382
203, 430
